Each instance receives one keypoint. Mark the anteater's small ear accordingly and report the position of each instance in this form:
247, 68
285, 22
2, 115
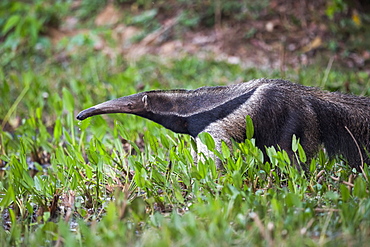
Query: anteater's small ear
145, 100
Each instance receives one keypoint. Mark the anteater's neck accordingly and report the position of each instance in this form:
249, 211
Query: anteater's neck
172, 122
191, 111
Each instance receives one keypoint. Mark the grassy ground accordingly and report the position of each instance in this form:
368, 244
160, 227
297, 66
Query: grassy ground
121, 180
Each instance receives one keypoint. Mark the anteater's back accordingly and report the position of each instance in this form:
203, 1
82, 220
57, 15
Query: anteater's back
340, 121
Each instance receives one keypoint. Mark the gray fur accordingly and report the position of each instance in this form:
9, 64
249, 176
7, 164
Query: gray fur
279, 110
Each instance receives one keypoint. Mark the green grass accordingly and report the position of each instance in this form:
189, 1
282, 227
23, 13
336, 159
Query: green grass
121, 180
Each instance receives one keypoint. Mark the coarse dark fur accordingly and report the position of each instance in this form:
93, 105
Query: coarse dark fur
279, 109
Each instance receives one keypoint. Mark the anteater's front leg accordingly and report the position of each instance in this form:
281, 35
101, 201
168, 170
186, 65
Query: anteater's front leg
202, 149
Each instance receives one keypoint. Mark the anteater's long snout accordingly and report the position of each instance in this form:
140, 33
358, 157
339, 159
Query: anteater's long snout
87, 113
112, 106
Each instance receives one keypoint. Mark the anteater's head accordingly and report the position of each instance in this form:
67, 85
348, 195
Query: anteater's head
133, 104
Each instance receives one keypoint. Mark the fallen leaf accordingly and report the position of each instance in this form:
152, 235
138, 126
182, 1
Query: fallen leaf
356, 18
314, 44
109, 16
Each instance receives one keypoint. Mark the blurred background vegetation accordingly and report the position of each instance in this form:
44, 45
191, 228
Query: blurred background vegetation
40, 27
